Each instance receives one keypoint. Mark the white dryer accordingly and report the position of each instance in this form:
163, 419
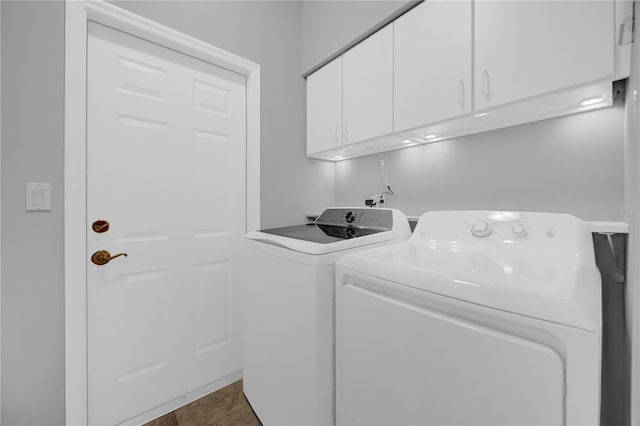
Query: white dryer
288, 361
481, 318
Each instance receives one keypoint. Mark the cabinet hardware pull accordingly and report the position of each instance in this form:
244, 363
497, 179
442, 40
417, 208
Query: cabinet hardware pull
627, 33
461, 93
486, 85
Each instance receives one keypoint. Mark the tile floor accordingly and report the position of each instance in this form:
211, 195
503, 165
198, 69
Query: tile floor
224, 407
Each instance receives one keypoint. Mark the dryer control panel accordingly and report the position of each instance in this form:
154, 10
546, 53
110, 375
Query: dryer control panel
483, 228
357, 217
546, 232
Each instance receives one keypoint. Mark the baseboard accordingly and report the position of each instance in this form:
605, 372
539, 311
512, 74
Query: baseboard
183, 400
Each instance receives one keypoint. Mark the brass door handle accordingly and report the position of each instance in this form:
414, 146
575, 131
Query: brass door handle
102, 257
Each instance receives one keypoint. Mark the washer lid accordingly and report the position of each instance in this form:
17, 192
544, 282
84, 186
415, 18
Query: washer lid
552, 278
322, 234
330, 245
338, 229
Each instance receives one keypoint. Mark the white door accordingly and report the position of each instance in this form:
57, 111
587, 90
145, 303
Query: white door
432, 64
166, 145
324, 108
367, 88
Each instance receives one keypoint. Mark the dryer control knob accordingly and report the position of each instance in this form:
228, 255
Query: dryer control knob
481, 228
519, 230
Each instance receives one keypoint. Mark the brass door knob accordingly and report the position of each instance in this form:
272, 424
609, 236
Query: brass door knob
102, 257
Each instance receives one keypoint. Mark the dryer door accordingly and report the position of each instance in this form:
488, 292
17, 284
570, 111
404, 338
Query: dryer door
403, 364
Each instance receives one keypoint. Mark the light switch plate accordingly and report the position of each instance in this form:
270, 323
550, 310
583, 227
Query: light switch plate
38, 196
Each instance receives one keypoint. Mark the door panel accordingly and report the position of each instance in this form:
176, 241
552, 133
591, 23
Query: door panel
324, 108
210, 306
432, 63
367, 88
166, 145
529, 48
405, 364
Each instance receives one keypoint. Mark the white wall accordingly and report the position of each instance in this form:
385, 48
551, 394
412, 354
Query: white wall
266, 32
329, 26
572, 164
32, 243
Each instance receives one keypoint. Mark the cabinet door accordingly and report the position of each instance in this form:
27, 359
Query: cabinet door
529, 48
368, 88
432, 63
324, 108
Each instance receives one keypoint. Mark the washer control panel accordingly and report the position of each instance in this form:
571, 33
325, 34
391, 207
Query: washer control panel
357, 217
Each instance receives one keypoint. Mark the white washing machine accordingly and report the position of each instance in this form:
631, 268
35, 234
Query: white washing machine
288, 364
481, 318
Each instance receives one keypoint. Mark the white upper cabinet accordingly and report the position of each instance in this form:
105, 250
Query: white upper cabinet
529, 48
432, 63
324, 108
450, 68
367, 88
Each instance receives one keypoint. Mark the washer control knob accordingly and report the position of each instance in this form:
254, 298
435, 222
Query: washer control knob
481, 228
349, 217
519, 230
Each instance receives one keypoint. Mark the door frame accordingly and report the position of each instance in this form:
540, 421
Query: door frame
0, 207
78, 14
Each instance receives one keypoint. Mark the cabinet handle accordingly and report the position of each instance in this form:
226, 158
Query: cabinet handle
486, 85
461, 93
346, 127
335, 134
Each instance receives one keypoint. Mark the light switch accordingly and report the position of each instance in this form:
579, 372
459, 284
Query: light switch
38, 196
